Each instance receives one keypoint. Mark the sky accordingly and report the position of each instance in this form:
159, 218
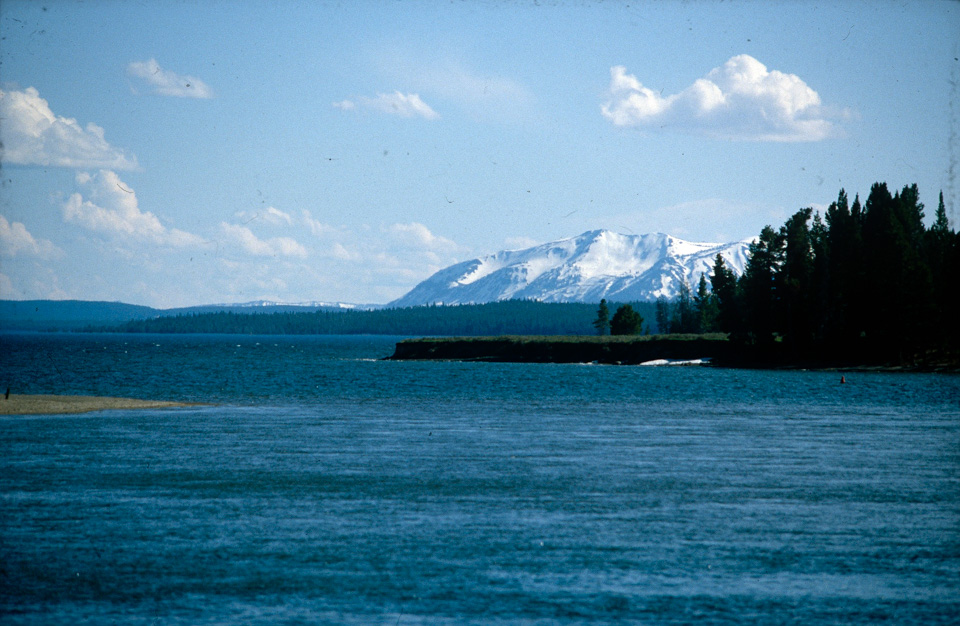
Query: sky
175, 153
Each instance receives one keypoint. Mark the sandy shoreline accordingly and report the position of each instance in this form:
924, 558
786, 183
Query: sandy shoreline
18, 404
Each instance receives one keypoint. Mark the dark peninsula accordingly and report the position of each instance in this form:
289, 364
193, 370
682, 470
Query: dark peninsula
626, 350
714, 349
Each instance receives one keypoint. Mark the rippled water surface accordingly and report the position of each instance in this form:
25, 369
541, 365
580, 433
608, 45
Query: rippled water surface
323, 485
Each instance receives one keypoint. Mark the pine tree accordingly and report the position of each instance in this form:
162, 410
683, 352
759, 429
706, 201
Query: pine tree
845, 270
684, 319
759, 285
663, 315
898, 281
795, 280
941, 251
602, 323
941, 225
706, 305
724, 284
820, 305
626, 321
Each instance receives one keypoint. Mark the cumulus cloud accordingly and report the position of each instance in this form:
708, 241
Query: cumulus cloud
396, 103
111, 207
33, 135
742, 100
16, 240
167, 83
253, 245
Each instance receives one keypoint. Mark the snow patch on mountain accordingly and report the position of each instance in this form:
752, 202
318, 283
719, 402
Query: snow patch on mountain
597, 264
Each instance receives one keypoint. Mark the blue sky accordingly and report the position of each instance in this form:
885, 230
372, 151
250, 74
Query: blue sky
176, 153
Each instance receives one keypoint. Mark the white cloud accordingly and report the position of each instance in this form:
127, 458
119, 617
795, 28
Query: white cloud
740, 100
275, 216
16, 240
318, 228
396, 103
112, 208
135, 258
417, 235
409, 252
167, 83
33, 135
270, 215
37, 283
251, 244
339, 251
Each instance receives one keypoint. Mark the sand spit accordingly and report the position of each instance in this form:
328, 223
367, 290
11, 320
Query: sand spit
18, 404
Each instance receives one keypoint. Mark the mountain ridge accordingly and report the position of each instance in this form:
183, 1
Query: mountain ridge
593, 265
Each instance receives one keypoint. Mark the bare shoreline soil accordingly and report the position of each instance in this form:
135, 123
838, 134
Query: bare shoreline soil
18, 404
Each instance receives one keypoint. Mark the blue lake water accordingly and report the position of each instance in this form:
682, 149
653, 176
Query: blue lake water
323, 485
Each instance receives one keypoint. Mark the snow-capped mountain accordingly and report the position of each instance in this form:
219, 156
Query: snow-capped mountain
597, 264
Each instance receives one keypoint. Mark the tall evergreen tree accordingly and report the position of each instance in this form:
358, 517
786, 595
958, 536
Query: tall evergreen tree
846, 265
898, 280
884, 242
940, 251
724, 284
684, 318
795, 280
820, 304
706, 306
938, 241
602, 323
759, 287
909, 211
941, 225
663, 315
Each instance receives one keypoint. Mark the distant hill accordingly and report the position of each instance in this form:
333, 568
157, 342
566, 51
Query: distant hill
54, 315
597, 264
67, 314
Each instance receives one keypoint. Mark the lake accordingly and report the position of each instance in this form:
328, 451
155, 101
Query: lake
323, 485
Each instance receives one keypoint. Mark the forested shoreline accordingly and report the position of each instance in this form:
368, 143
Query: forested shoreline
514, 317
865, 283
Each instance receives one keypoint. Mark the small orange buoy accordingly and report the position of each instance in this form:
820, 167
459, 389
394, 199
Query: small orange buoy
843, 379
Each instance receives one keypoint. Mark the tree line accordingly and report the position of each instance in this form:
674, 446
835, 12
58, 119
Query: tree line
514, 317
626, 320
863, 281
